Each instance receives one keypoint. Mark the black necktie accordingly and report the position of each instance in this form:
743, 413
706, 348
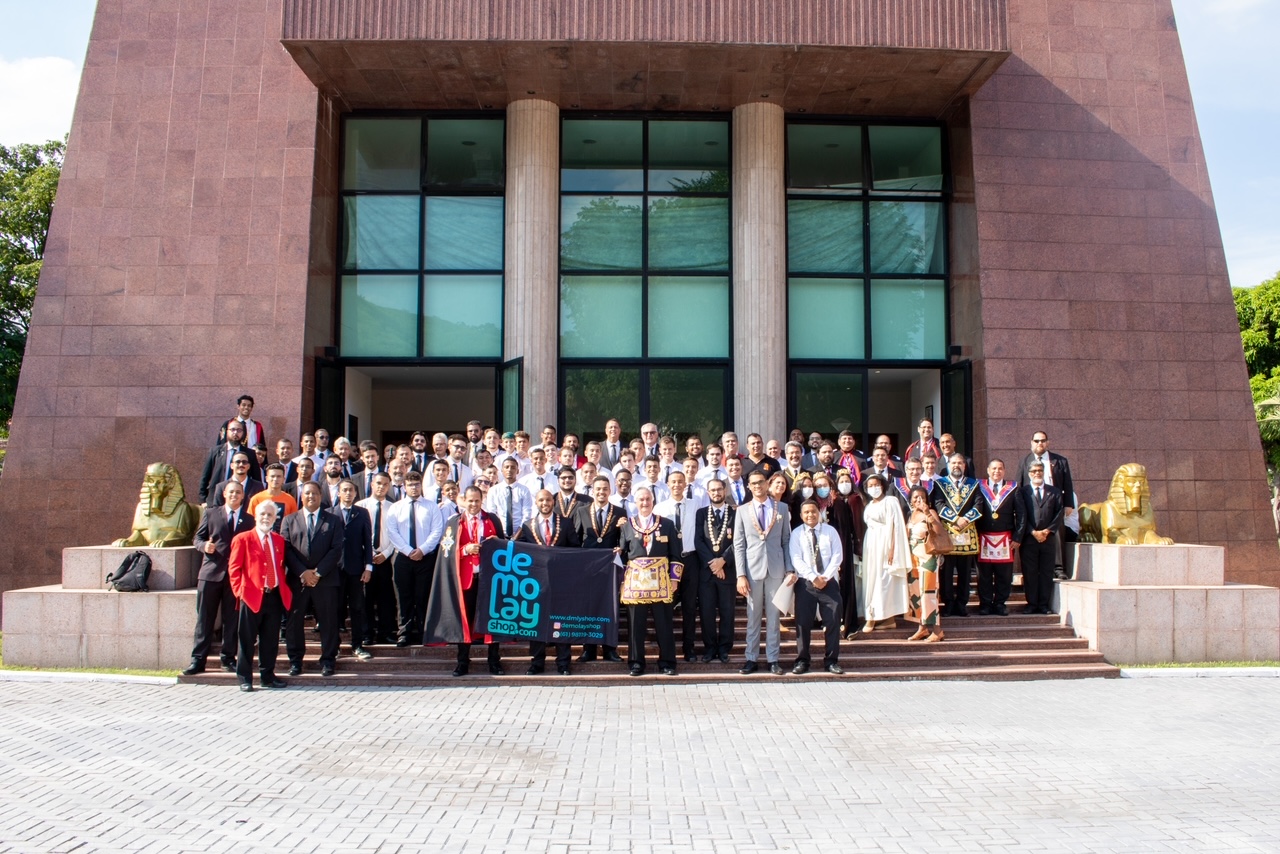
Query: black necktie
413, 525
377, 527
600, 520
509, 532
679, 527
817, 554
368, 484
719, 517
311, 527
1039, 495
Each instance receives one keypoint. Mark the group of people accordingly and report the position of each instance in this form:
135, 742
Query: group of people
354, 534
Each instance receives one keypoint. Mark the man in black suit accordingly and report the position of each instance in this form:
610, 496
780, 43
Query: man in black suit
716, 584
217, 466
648, 535
364, 480
304, 468
313, 558
947, 443
1057, 472
213, 589
240, 476
880, 465
357, 564
547, 528
1040, 543
1001, 530
598, 526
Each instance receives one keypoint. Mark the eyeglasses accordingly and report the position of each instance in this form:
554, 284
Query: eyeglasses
480, 482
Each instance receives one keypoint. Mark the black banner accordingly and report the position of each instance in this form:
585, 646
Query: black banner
555, 595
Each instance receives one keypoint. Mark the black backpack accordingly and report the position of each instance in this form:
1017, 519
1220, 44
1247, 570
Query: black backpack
131, 575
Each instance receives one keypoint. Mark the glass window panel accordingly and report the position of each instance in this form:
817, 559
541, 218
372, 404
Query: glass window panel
688, 400
463, 233
381, 233
688, 157
462, 315
600, 233
824, 236
594, 395
688, 317
465, 153
825, 319
512, 379
824, 158
908, 319
905, 159
600, 316
383, 154
379, 316
688, 233
602, 155
906, 237
829, 402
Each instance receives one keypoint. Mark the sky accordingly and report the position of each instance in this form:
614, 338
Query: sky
1229, 47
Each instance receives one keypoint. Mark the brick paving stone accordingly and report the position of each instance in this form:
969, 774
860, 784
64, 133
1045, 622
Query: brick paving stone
1105, 765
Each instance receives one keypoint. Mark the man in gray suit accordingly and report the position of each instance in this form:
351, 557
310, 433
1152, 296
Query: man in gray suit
761, 540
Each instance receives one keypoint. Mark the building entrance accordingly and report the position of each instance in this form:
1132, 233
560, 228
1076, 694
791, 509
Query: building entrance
386, 403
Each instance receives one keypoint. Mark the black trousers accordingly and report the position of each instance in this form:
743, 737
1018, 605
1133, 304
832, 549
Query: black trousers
954, 595
213, 597
353, 596
325, 600
826, 603
663, 626
687, 595
380, 603
412, 579
1037, 571
538, 654
264, 629
848, 585
716, 599
464, 649
995, 582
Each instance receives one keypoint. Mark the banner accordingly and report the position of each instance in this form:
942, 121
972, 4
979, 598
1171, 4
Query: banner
556, 595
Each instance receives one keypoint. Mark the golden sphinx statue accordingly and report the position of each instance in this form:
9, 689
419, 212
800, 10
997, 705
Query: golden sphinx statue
163, 518
1126, 517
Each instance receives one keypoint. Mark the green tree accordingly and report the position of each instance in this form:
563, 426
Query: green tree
28, 181
1258, 310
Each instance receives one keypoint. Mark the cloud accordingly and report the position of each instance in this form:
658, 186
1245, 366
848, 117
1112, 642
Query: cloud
37, 98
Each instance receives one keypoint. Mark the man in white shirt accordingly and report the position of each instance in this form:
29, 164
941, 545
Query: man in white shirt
714, 467
380, 593
682, 509
414, 527
652, 480
622, 496
510, 501
541, 477
816, 555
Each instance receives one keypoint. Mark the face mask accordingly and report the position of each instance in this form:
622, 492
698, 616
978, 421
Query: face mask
875, 491
806, 491
824, 491
846, 488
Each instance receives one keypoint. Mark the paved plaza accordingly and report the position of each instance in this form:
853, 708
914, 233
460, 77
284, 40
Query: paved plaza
1100, 765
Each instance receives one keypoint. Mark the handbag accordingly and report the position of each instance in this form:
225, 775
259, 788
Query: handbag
938, 540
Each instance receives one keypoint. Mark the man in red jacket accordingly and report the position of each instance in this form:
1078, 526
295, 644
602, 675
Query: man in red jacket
256, 571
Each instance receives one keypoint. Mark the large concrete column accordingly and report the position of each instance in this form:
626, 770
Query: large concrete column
532, 300
760, 270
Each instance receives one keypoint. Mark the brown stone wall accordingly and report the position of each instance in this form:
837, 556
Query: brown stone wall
1107, 317
176, 268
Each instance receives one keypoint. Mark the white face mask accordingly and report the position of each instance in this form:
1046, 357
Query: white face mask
846, 488
806, 491
875, 491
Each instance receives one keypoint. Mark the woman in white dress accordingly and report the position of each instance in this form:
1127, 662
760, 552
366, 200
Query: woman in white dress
886, 556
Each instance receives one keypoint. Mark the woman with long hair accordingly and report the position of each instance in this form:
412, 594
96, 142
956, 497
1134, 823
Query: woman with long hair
886, 556
924, 576
847, 510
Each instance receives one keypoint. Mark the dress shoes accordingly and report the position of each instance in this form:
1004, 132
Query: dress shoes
749, 667
801, 668
295, 669
960, 611
497, 670
724, 658
668, 671
1000, 611
402, 643
612, 656
586, 656
246, 688
707, 658
386, 640
835, 669
534, 670
275, 684
229, 666
460, 671
690, 657
563, 669
362, 653
984, 611
193, 668
637, 670
776, 669
326, 670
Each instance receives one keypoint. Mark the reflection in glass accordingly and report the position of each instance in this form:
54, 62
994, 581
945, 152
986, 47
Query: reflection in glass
824, 236
600, 233
829, 402
824, 158
602, 155
688, 400
908, 319
594, 395
379, 316
465, 154
511, 396
382, 154
825, 319
462, 315
688, 317
904, 159
600, 316
688, 156
464, 233
906, 237
381, 233
688, 233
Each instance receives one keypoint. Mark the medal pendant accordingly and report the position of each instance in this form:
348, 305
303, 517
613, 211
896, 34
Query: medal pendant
995, 515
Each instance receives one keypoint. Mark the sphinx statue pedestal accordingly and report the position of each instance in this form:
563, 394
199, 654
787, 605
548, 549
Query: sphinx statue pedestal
1148, 604
80, 623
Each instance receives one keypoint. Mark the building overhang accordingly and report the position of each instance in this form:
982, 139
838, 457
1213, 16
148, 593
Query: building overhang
845, 57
